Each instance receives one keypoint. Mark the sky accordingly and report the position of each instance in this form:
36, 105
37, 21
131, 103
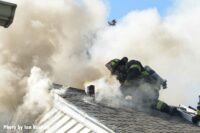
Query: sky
119, 8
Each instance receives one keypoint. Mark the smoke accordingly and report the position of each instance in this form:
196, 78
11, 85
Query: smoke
138, 95
184, 24
54, 36
107, 91
73, 63
70, 40
36, 100
168, 44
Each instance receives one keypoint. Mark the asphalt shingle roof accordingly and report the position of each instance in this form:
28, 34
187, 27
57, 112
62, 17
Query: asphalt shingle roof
130, 120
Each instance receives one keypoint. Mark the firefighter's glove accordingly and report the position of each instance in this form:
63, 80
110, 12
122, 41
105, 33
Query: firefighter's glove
164, 84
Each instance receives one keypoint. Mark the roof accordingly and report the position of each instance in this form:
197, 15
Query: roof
65, 117
128, 120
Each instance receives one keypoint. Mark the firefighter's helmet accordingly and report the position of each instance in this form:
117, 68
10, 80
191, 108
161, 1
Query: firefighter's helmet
112, 65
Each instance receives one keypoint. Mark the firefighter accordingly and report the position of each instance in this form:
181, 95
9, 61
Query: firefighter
132, 73
196, 119
118, 68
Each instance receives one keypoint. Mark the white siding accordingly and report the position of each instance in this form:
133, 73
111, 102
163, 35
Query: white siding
47, 116
55, 121
64, 118
59, 124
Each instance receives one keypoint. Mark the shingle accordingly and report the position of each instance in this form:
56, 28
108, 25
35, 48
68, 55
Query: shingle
130, 120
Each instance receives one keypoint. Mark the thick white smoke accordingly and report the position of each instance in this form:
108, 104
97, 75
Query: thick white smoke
107, 91
53, 35
169, 45
36, 100
71, 41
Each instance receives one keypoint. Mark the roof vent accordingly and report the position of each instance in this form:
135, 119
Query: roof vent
90, 90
